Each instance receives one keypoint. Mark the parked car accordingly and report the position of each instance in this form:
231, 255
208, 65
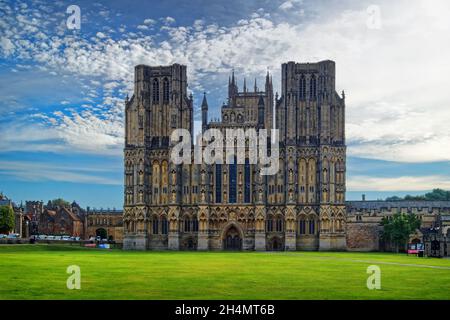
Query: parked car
3, 236
13, 235
50, 237
66, 238
58, 238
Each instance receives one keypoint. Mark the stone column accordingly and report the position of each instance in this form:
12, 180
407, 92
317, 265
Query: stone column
260, 228
203, 217
290, 242
174, 234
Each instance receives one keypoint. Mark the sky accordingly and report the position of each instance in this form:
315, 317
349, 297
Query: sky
63, 90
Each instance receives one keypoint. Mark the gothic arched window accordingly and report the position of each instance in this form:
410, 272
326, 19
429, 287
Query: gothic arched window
187, 225
312, 227
194, 225
302, 226
247, 181
218, 183
302, 88
155, 90
279, 224
166, 90
164, 225
269, 224
232, 169
312, 87
155, 225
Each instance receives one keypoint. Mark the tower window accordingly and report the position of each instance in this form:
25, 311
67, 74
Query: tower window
218, 183
232, 188
312, 87
166, 90
302, 88
247, 181
155, 90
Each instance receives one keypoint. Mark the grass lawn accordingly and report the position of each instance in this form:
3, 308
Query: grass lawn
39, 272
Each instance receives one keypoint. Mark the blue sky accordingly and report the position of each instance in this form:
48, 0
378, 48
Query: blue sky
61, 112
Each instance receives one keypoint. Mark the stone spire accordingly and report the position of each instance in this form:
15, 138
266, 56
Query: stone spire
204, 113
261, 112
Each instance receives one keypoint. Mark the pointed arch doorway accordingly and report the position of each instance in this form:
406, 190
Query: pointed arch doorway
232, 239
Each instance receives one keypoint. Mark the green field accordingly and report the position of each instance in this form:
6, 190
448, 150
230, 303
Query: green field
39, 272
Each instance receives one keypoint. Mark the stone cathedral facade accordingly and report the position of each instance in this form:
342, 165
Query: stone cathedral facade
231, 206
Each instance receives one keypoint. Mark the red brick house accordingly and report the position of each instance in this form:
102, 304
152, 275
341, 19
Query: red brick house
60, 221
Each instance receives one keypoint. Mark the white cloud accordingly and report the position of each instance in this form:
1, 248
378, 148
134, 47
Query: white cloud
395, 77
149, 21
100, 35
7, 46
35, 171
403, 183
169, 20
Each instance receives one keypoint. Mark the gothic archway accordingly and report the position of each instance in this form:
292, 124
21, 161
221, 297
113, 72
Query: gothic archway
102, 233
232, 238
275, 244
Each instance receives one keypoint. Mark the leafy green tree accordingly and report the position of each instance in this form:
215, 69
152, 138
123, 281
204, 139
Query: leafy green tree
414, 198
398, 228
7, 221
59, 202
438, 195
394, 198
435, 195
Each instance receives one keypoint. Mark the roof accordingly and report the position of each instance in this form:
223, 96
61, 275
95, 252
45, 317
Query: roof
50, 212
72, 215
377, 205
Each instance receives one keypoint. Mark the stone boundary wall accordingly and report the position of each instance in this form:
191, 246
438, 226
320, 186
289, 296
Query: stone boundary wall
363, 236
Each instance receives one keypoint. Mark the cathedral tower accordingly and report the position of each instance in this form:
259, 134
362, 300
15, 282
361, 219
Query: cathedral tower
159, 105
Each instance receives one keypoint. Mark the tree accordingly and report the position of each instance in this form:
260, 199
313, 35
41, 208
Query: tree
438, 194
394, 198
398, 228
7, 221
59, 203
435, 195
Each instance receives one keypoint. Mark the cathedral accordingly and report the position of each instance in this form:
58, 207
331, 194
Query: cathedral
232, 206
